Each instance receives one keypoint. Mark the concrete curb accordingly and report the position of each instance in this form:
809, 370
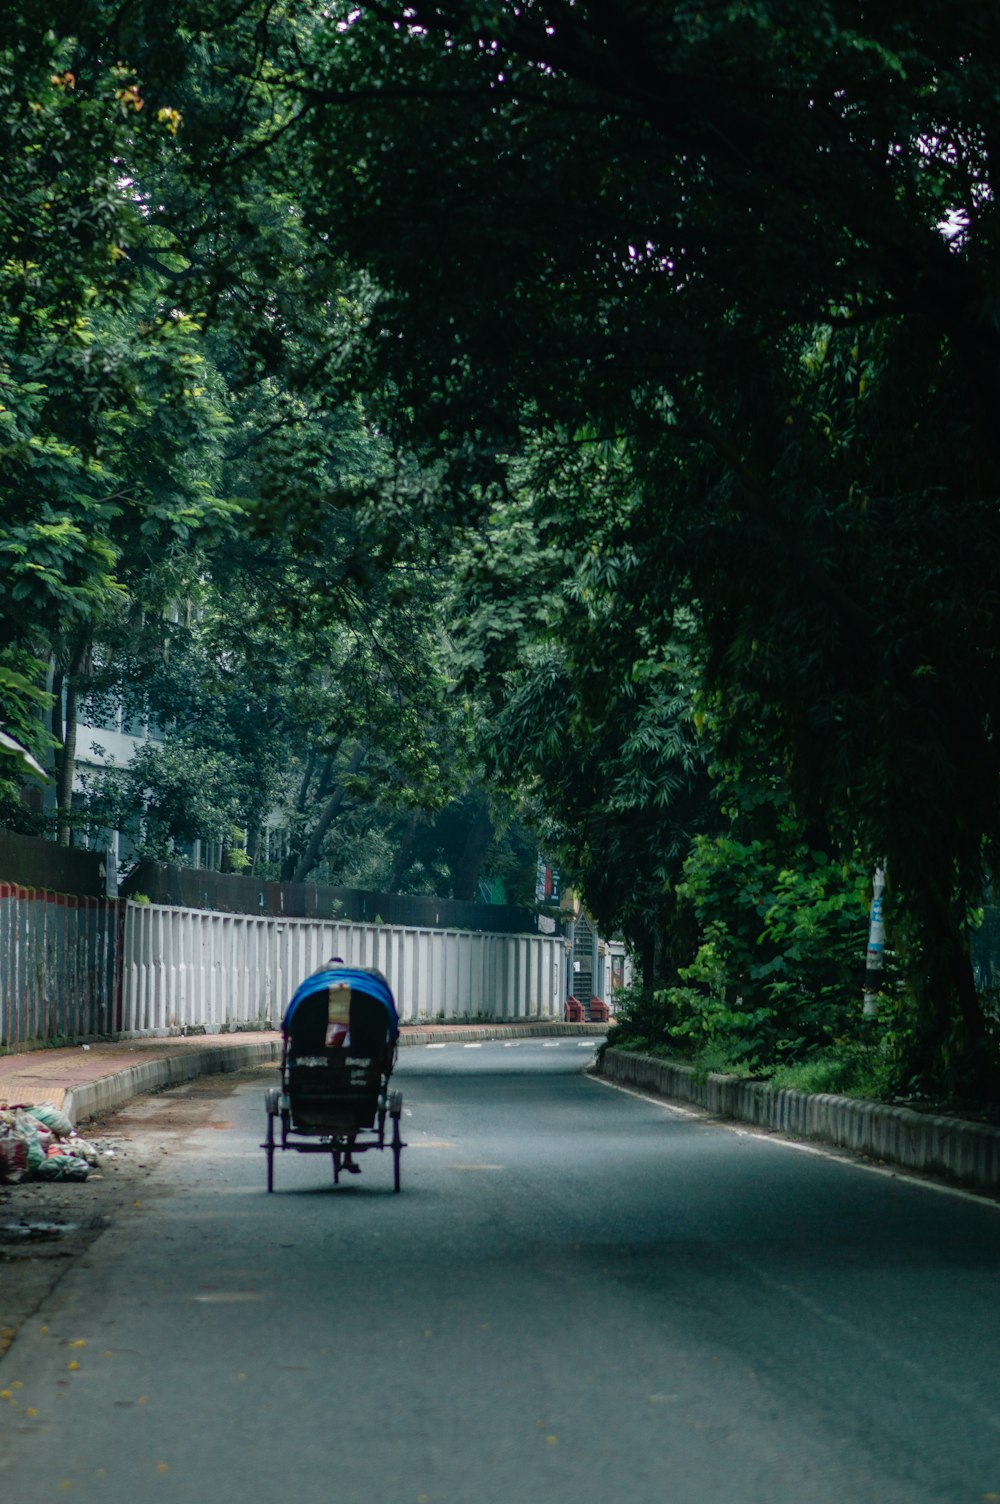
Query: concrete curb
108, 1092
965, 1152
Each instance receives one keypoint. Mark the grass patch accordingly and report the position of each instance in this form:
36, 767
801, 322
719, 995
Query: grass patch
853, 1071
851, 1068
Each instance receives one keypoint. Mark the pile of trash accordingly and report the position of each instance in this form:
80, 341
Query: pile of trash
40, 1143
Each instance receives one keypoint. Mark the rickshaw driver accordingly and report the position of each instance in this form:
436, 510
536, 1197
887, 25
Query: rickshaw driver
338, 1037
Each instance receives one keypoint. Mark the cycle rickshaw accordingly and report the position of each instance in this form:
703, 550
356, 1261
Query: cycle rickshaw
340, 1034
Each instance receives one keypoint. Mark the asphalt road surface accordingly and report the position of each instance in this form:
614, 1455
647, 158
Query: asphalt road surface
580, 1296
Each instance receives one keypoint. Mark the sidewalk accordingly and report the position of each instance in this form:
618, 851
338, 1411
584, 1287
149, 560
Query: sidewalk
84, 1080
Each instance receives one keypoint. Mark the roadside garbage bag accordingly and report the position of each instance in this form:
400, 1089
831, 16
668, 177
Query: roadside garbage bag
33, 1135
51, 1118
62, 1167
13, 1156
31, 1148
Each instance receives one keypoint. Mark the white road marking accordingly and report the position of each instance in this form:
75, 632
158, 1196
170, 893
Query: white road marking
225, 1297
628, 1091
790, 1143
473, 1047
550, 1044
435, 1046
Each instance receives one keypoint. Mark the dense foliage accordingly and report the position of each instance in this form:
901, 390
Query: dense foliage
753, 247
628, 369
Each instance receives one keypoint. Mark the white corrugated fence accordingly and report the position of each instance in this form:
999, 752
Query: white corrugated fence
191, 968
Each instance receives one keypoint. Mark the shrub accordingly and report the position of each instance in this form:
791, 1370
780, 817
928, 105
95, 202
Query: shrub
779, 964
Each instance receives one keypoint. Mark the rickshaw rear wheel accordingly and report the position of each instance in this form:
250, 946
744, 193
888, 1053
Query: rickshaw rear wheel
269, 1150
395, 1112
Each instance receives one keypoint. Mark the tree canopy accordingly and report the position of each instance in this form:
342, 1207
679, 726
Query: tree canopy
664, 336
755, 248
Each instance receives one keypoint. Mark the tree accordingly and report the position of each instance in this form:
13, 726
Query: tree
135, 225
60, 220
304, 698
588, 718
99, 396
756, 248
749, 250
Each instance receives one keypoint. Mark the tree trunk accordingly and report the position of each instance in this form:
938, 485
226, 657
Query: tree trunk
646, 948
77, 676
477, 842
318, 771
56, 717
307, 777
951, 1051
70, 679
67, 765
404, 851
298, 870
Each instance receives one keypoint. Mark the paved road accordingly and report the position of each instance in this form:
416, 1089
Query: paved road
579, 1296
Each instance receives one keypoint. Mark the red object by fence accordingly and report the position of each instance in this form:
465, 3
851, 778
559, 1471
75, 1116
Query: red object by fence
574, 1011
598, 1010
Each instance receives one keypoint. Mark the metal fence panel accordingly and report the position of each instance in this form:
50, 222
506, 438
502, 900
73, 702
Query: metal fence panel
58, 966
192, 969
